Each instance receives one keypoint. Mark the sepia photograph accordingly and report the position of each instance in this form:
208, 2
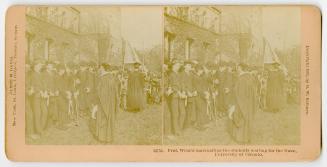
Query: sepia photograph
93, 75
232, 75
169, 83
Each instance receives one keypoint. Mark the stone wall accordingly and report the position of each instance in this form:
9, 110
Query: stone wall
67, 46
203, 42
62, 43
206, 46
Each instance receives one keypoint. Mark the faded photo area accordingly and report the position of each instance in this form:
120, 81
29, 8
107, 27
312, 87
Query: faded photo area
231, 75
93, 75
175, 75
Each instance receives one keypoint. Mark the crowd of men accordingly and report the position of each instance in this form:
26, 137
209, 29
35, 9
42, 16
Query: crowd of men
196, 95
59, 94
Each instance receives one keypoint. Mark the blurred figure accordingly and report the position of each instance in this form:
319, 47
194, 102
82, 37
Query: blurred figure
105, 112
275, 98
63, 96
40, 96
90, 86
173, 93
228, 90
201, 98
241, 113
168, 127
135, 99
220, 102
52, 88
188, 87
82, 75
29, 113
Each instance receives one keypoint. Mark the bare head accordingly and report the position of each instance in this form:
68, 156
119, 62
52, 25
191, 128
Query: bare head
176, 67
188, 67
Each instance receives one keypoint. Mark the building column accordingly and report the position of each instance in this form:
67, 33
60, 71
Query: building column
29, 39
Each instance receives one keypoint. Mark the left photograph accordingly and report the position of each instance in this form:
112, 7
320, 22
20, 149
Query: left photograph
93, 75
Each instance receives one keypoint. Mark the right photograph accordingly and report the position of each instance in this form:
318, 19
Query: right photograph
232, 75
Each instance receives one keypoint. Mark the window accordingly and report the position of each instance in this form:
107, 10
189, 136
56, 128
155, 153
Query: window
45, 13
47, 44
62, 19
202, 19
29, 38
53, 15
169, 45
217, 24
188, 44
205, 45
46, 50
185, 13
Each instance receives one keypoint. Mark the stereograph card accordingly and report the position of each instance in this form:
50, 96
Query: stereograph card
163, 83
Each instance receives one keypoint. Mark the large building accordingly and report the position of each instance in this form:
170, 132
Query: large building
191, 32
206, 34
69, 34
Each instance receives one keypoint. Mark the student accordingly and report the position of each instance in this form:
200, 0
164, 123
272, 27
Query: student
241, 113
105, 115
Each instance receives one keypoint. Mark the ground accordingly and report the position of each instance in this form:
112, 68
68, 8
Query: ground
281, 128
145, 128
142, 128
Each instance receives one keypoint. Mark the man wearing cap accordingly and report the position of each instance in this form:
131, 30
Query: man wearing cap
207, 82
105, 112
228, 88
69, 88
165, 101
201, 98
275, 97
222, 74
135, 99
89, 86
81, 87
29, 113
188, 87
52, 92
62, 100
215, 92
241, 113
76, 92
173, 93
40, 96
